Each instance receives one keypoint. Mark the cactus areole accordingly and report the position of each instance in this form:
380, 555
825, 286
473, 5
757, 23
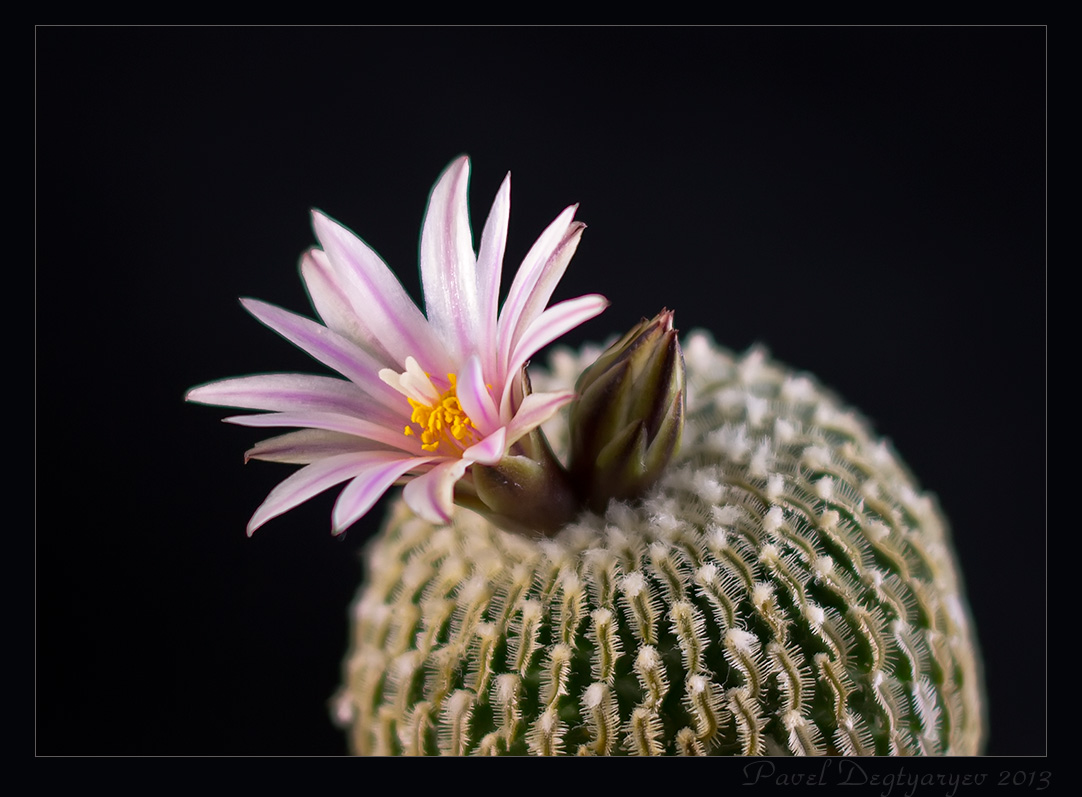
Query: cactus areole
659, 548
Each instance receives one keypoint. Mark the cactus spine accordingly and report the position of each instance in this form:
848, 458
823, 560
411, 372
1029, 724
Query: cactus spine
784, 589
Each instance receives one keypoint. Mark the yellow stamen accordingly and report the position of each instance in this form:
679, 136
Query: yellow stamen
443, 422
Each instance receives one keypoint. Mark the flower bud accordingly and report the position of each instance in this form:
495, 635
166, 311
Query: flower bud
629, 416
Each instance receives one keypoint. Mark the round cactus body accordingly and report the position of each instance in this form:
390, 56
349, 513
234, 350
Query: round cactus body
784, 589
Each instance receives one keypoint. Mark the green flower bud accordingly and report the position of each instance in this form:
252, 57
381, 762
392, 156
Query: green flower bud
628, 419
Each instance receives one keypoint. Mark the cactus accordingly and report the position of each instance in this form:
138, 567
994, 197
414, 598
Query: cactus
785, 588
717, 559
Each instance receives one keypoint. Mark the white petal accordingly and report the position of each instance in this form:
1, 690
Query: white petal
417, 383
448, 265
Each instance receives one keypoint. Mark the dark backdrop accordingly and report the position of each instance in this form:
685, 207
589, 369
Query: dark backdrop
869, 202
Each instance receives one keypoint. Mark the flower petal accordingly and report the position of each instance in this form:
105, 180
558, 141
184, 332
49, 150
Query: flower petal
489, 269
412, 383
535, 409
330, 298
376, 296
314, 479
334, 422
367, 488
490, 450
431, 495
287, 393
551, 324
448, 265
306, 446
475, 398
536, 279
329, 348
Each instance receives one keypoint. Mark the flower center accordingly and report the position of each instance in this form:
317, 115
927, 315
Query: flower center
443, 421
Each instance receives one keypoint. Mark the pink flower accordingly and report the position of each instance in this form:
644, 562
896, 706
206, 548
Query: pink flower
423, 399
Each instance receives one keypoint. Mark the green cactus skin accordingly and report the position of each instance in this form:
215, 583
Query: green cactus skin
784, 589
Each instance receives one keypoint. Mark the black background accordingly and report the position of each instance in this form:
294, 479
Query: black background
868, 202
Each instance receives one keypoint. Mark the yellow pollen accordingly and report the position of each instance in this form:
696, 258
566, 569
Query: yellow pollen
443, 422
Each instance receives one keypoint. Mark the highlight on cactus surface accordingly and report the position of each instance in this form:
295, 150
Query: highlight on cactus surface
657, 548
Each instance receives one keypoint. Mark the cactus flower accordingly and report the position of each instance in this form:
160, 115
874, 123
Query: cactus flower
424, 399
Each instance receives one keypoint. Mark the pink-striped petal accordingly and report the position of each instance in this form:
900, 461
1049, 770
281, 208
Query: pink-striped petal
285, 393
331, 300
393, 438
367, 488
313, 479
490, 450
489, 271
448, 265
536, 279
475, 398
551, 274
431, 495
551, 324
307, 446
329, 348
535, 409
376, 295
